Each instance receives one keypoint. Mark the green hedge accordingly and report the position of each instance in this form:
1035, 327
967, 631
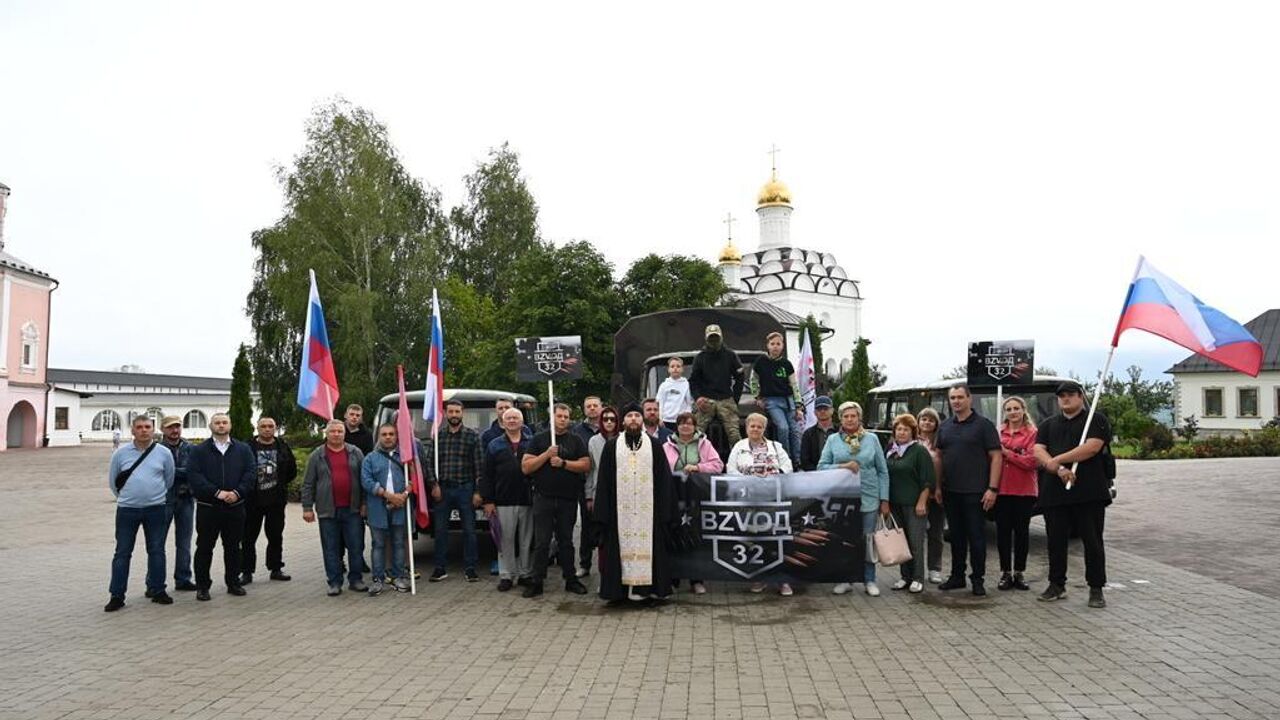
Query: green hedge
1258, 443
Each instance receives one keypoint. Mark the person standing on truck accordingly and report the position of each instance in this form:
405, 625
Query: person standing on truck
773, 382
716, 383
674, 396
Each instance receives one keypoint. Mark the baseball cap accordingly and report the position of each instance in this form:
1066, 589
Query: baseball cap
1070, 386
714, 330
823, 402
168, 420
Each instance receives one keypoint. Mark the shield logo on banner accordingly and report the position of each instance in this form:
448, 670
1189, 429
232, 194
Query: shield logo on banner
999, 372
549, 357
752, 522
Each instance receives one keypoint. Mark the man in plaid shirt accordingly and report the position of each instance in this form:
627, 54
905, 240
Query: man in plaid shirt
461, 463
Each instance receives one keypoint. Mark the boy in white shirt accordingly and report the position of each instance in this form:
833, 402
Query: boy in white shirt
674, 396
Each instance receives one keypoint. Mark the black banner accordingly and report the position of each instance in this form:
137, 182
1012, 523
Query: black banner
798, 527
1001, 362
549, 358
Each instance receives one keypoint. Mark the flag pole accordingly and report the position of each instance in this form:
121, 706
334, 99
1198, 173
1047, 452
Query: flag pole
551, 410
408, 527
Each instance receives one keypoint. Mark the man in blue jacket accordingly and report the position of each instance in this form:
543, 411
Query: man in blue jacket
222, 472
386, 494
182, 507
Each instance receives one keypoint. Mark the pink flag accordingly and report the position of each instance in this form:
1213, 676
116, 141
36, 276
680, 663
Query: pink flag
404, 430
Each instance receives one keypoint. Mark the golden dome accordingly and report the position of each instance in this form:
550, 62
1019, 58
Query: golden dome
730, 253
774, 192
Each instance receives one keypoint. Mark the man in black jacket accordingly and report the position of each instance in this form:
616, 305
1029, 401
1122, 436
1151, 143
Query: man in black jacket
222, 472
504, 489
276, 468
716, 384
813, 439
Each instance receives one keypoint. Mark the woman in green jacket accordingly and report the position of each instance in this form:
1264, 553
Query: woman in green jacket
911, 481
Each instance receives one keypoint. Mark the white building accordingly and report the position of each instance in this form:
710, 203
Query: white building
795, 281
95, 404
1224, 401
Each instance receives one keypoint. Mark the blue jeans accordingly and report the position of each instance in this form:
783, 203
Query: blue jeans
182, 517
869, 527
457, 497
395, 535
154, 521
346, 527
968, 525
787, 430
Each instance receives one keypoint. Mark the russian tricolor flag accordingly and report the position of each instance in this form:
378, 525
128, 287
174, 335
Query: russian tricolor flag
1163, 307
317, 381
433, 400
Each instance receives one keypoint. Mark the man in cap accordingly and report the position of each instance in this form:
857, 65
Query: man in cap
814, 438
1074, 490
182, 505
716, 383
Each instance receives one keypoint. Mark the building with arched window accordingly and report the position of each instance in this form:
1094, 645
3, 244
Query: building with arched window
24, 346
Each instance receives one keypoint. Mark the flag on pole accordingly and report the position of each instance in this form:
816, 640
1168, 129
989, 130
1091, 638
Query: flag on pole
317, 380
408, 454
1160, 306
433, 400
806, 378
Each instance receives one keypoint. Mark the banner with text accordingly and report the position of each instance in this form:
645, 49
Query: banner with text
549, 358
804, 527
1001, 362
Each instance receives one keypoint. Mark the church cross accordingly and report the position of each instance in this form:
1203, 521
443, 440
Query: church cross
773, 157
729, 219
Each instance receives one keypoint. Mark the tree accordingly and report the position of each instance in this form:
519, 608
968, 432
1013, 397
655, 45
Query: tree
810, 326
374, 236
241, 409
654, 283
495, 226
959, 372
859, 380
1045, 370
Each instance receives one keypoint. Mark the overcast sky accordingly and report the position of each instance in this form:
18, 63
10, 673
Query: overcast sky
986, 170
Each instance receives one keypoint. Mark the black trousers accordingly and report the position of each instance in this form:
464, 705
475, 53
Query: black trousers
1013, 530
213, 523
558, 515
586, 543
1088, 520
256, 518
968, 533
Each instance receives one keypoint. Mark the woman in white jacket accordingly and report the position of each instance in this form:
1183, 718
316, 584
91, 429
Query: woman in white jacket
757, 455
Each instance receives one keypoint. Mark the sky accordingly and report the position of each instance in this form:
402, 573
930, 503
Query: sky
985, 170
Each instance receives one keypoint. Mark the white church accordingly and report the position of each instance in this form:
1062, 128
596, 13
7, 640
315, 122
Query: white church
790, 282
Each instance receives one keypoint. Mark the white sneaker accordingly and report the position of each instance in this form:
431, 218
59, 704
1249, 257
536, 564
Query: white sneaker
916, 586
583, 572
873, 589
785, 590
935, 576
900, 584
841, 588
699, 589
757, 587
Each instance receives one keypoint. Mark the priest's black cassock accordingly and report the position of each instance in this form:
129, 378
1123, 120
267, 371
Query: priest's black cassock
665, 519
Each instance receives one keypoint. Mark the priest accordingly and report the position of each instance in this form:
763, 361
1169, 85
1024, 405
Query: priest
635, 514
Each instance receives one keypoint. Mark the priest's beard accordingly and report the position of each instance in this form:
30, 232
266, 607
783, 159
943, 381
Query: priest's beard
632, 438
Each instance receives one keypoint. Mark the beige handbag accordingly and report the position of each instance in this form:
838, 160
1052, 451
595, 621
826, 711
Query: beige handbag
890, 542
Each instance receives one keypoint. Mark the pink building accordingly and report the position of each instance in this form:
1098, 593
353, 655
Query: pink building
24, 346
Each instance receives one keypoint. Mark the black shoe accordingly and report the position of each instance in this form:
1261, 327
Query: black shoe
533, 589
471, 575
246, 578
114, 604
979, 588
953, 583
439, 574
237, 590
280, 575
524, 581
1006, 582
1019, 583
575, 587
1095, 598
202, 595
505, 584
1052, 593
162, 598
148, 594
185, 586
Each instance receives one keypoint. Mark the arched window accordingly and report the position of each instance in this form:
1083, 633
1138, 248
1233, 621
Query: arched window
156, 415
194, 420
107, 420
30, 345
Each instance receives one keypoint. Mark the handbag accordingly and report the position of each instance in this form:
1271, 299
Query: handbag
890, 542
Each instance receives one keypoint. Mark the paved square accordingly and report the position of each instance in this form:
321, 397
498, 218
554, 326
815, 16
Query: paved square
1174, 643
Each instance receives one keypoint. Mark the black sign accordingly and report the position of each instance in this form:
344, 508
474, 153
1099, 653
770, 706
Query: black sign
799, 527
1001, 362
549, 358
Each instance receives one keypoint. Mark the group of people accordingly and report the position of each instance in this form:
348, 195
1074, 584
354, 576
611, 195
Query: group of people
614, 472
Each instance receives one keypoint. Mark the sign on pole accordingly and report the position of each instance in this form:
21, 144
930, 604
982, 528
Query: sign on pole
550, 359
1001, 362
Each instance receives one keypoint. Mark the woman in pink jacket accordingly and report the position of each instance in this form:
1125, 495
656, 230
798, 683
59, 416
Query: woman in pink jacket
1018, 491
689, 451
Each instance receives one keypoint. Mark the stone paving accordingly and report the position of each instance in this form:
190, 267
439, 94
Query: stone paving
1174, 643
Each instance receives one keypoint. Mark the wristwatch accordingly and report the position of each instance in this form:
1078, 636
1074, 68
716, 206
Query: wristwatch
995, 490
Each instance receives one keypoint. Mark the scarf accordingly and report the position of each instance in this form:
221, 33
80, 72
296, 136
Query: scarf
899, 450
853, 441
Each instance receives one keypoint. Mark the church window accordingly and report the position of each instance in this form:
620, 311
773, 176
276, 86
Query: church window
107, 420
30, 345
194, 420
